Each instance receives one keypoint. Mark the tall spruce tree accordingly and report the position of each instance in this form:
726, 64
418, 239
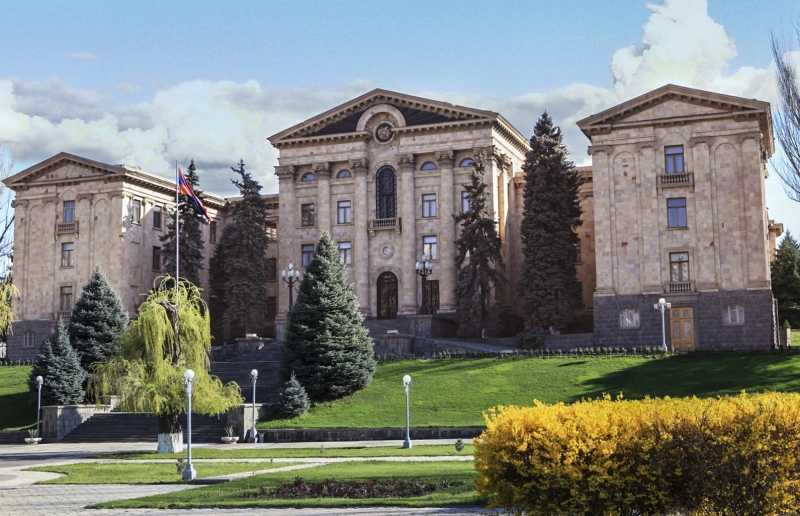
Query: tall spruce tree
191, 235
551, 214
327, 345
96, 323
240, 265
60, 368
478, 257
786, 281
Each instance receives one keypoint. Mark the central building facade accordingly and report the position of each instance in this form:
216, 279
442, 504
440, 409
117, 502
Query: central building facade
384, 174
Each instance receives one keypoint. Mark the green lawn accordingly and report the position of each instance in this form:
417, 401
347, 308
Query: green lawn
17, 405
259, 452
127, 473
244, 493
456, 392
795, 337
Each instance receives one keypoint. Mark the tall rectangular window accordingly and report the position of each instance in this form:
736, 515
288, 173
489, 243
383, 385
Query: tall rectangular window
307, 215
156, 258
65, 298
69, 212
272, 307
306, 254
272, 269
156, 217
346, 253
135, 211
430, 246
344, 212
212, 232
429, 205
733, 315
673, 159
679, 267
67, 251
676, 212
465, 202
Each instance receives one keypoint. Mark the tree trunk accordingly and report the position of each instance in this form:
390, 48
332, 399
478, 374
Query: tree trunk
170, 434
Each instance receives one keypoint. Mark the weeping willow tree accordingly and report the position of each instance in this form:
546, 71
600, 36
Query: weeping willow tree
8, 293
147, 375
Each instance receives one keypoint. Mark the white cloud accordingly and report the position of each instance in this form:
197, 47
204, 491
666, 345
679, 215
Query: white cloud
81, 56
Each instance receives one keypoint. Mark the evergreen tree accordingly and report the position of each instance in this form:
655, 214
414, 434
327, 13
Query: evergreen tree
191, 237
786, 281
550, 215
240, 265
327, 345
294, 399
478, 257
96, 323
60, 368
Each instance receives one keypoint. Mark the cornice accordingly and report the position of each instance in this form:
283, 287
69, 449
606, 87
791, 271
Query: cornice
445, 159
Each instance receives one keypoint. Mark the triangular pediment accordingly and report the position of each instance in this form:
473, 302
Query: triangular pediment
673, 103
344, 118
62, 167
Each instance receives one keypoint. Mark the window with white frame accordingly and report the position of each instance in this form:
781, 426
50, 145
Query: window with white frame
345, 252
430, 246
629, 319
344, 212
429, 205
135, 211
733, 315
465, 201
67, 252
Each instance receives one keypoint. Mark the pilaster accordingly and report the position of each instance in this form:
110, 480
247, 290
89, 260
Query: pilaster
408, 205
447, 234
287, 251
360, 236
323, 173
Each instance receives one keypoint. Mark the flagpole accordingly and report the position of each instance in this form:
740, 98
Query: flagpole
177, 245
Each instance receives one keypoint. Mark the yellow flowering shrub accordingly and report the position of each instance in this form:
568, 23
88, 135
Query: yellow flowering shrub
733, 455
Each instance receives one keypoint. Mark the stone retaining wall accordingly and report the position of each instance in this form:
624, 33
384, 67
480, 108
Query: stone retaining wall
59, 420
287, 435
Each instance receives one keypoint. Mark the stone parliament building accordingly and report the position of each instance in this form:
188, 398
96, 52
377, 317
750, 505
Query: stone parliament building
673, 206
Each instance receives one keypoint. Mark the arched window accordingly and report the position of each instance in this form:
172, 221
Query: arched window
308, 177
429, 165
386, 193
343, 174
467, 162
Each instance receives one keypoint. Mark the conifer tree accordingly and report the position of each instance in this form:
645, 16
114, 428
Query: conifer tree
478, 257
240, 265
191, 237
551, 214
294, 399
786, 281
327, 345
60, 368
96, 323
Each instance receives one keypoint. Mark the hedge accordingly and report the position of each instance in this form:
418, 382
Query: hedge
731, 455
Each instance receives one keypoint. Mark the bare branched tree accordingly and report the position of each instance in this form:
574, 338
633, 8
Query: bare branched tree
787, 119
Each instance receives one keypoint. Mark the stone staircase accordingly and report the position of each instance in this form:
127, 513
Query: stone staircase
378, 327
238, 370
140, 427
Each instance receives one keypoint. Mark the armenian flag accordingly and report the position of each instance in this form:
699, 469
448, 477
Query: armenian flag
185, 188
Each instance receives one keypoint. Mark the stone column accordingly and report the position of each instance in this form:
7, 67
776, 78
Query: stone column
408, 211
650, 223
288, 250
360, 236
447, 235
323, 172
602, 220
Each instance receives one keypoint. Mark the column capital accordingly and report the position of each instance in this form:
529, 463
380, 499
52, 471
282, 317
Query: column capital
445, 159
358, 166
322, 169
699, 140
594, 149
406, 162
285, 171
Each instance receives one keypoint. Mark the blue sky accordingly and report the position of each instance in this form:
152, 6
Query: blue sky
150, 82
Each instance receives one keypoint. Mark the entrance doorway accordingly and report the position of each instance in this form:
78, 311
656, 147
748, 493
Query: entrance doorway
387, 296
682, 328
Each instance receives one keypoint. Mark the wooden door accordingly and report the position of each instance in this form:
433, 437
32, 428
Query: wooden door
682, 328
387, 296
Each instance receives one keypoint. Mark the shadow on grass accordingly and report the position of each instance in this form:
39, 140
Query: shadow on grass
17, 411
700, 375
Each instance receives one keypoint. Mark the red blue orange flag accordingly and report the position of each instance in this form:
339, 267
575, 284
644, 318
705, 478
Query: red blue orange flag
185, 188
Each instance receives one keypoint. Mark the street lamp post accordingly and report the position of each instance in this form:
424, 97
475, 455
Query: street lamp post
39, 382
253, 432
424, 268
189, 473
407, 388
290, 276
662, 306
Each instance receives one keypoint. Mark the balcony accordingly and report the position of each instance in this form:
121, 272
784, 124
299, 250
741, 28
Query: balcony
679, 287
391, 223
676, 180
66, 228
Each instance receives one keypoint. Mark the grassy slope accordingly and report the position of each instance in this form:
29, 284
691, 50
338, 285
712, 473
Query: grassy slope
122, 473
456, 392
257, 452
239, 493
17, 405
